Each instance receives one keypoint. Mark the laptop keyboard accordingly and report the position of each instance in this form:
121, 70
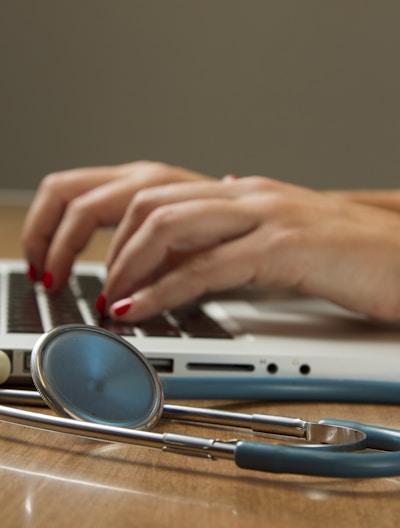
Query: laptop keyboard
24, 314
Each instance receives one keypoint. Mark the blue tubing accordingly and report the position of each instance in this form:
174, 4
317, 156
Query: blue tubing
299, 460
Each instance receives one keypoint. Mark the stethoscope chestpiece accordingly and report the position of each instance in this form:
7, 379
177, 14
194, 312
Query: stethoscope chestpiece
87, 373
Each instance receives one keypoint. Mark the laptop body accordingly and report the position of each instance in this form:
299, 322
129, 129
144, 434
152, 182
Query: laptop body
250, 343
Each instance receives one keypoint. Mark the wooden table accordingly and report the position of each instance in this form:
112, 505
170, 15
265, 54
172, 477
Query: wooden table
53, 479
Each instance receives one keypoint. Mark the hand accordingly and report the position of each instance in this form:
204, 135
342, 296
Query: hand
70, 205
180, 241
389, 199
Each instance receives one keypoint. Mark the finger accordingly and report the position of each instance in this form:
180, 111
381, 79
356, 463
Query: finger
100, 207
46, 211
148, 200
58, 190
227, 266
184, 227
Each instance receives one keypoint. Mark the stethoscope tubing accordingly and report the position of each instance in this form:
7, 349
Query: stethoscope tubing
288, 459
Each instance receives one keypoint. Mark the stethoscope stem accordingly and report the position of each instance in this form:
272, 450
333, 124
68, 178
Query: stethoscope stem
180, 444
21, 397
265, 423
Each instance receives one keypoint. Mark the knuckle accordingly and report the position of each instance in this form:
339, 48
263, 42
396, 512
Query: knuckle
141, 204
268, 186
78, 208
52, 182
162, 219
145, 164
259, 181
280, 206
151, 169
262, 183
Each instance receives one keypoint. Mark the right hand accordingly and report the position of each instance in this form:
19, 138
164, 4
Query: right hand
70, 205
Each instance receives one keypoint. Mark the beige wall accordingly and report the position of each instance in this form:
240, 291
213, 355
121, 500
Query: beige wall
303, 90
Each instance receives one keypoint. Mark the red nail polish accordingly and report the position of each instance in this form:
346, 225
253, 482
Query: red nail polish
47, 279
122, 306
100, 304
32, 272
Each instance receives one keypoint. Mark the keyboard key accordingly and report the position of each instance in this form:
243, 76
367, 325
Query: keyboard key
158, 326
90, 287
23, 313
123, 329
196, 323
63, 308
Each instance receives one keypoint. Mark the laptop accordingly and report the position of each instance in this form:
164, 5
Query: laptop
242, 344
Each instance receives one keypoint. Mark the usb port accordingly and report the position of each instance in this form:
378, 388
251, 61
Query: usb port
27, 361
162, 365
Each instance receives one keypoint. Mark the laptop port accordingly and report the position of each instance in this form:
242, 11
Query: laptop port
222, 367
305, 369
162, 365
272, 368
27, 361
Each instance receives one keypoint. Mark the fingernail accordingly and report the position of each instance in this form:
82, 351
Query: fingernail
32, 272
100, 303
47, 279
121, 307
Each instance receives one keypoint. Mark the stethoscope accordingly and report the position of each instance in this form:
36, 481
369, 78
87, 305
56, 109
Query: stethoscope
105, 389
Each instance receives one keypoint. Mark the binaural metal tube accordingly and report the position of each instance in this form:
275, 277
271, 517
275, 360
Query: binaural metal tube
182, 444
265, 423
21, 397
343, 438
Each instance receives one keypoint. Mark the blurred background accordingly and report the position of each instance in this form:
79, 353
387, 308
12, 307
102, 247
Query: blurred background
305, 91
